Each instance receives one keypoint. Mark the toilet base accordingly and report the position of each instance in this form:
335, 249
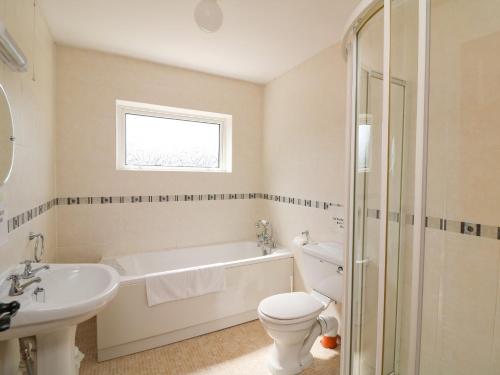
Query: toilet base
292, 370
276, 363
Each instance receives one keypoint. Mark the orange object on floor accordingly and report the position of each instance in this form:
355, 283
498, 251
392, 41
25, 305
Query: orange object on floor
329, 342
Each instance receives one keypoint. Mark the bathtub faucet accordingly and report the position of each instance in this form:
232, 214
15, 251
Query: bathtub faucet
265, 236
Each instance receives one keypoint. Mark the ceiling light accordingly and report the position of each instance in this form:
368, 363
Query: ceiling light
208, 15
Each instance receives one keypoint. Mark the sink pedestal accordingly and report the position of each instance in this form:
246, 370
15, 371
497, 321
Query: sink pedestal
9, 357
56, 352
73, 294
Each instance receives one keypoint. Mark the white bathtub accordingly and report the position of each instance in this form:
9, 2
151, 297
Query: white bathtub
128, 325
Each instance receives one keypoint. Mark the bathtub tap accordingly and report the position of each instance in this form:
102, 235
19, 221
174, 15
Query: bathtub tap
265, 236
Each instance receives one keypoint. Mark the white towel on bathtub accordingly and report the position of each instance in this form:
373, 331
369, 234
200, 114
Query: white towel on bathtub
184, 284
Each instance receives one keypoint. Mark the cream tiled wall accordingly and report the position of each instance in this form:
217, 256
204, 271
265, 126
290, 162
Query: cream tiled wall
462, 273
31, 95
88, 84
304, 147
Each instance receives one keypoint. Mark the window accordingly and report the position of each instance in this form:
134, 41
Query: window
158, 138
364, 142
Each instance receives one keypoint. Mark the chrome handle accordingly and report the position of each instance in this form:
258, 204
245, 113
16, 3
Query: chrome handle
27, 273
39, 238
362, 261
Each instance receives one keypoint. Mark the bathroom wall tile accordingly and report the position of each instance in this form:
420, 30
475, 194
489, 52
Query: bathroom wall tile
216, 221
474, 153
81, 72
32, 180
88, 232
303, 150
88, 225
145, 221
468, 293
149, 228
303, 134
462, 160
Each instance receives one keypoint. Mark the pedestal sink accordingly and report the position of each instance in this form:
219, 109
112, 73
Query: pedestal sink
73, 294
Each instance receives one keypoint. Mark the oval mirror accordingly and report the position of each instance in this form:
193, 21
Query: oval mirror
6, 138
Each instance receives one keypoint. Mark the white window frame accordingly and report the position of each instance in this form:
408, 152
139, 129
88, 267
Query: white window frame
124, 107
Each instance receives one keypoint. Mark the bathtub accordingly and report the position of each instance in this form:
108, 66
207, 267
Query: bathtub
128, 325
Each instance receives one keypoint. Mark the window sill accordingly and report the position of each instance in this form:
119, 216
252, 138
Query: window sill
171, 169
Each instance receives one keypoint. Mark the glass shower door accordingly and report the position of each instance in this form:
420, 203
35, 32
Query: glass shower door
367, 174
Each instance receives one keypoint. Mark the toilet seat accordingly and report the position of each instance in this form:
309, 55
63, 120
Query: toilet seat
290, 308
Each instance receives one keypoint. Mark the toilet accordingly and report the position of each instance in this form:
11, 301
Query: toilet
294, 320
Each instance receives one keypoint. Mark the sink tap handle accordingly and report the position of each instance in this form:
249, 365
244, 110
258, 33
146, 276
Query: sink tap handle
14, 277
16, 289
27, 267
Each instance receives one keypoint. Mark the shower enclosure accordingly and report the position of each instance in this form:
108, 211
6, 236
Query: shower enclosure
423, 284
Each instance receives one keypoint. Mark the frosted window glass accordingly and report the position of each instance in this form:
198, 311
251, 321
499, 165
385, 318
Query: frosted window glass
163, 142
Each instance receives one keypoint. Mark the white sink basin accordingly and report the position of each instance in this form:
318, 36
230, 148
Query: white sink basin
73, 294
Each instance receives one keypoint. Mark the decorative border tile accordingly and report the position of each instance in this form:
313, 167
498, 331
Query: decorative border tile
25, 217
455, 226
154, 198
300, 201
438, 223
18, 220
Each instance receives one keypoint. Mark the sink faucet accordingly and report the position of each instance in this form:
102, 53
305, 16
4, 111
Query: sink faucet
265, 236
29, 272
16, 288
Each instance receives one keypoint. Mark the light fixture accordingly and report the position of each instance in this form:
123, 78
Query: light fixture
10, 53
208, 15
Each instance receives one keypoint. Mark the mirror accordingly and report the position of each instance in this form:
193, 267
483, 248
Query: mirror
6, 138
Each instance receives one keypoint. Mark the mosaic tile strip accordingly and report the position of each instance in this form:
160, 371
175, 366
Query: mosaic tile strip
300, 201
154, 198
197, 197
25, 217
17, 221
455, 226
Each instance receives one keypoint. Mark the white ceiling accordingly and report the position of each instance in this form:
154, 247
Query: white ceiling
259, 40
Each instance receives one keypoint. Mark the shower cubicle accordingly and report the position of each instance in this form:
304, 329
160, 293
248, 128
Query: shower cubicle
423, 284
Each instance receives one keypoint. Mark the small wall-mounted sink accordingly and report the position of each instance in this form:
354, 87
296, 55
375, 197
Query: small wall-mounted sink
72, 293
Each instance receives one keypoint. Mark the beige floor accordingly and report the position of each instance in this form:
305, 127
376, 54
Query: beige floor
238, 350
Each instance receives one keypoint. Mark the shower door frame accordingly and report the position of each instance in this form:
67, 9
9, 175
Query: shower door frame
363, 12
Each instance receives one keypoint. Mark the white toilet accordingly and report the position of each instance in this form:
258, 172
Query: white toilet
293, 320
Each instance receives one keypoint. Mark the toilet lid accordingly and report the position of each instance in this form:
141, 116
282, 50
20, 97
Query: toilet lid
288, 306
